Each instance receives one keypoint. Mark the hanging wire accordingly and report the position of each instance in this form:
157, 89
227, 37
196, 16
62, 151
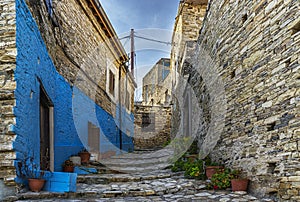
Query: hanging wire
153, 40
126, 42
125, 37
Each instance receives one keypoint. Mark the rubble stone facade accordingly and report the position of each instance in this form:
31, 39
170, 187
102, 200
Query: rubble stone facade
185, 34
247, 58
187, 25
152, 126
8, 54
66, 55
157, 85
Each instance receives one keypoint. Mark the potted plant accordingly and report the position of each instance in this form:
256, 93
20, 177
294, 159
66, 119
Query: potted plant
194, 169
221, 180
68, 166
237, 182
191, 157
29, 170
212, 168
85, 156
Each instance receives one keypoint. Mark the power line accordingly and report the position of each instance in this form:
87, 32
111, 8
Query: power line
148, 39
125, 37
153, 40
126, 41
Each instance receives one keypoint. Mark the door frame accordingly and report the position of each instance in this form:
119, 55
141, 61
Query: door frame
50, 106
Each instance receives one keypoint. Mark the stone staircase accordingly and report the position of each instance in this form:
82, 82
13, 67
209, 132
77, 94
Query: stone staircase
140, 161
138, 176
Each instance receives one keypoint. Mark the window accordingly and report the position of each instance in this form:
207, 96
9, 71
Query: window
165, 73
148, 122
127, 101
111, 83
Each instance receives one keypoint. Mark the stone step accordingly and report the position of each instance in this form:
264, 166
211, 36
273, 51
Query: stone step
166, 152
108, 178
139, 162
140, 169
135, 163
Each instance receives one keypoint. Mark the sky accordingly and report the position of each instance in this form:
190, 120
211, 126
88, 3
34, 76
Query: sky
153, 19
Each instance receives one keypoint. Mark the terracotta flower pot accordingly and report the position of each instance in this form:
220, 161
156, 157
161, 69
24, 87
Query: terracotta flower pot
239, 184
210, 170
36, 185
192, 157
69, 169
85, 157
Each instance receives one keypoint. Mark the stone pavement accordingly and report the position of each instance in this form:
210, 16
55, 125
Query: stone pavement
154, 186
146, 180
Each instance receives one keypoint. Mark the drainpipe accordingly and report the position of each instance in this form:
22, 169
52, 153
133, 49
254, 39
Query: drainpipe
120, 106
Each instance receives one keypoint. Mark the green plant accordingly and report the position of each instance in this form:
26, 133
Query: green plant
194, 170
221, 180
28, 169
235, 174
193, 149
84, 150
68, 163
166, 143
178, 165
209, 162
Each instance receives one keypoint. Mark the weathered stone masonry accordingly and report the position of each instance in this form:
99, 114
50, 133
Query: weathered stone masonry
49, 52
254, 47
8, 54
156, 132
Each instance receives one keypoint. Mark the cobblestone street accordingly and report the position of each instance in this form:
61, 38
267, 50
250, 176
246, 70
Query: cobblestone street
155, 186
120, 101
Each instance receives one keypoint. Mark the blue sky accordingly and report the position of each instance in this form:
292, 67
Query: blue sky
151, 19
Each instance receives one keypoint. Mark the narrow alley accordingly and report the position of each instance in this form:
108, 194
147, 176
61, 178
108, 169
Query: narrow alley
173, 100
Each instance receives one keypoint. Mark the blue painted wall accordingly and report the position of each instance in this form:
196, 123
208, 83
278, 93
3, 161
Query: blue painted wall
70, 123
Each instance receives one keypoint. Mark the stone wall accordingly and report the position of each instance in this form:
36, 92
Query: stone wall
156, 132
250, 50
80, 47
67, 53
157, 85
188, 22
185, 34
8, 54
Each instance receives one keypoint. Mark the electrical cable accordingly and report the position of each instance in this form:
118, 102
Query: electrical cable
125, 37
126, 42
153, 40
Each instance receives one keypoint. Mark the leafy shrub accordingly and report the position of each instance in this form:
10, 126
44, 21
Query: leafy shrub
192, 169
195, 170
178, 165
221, 180
209, 162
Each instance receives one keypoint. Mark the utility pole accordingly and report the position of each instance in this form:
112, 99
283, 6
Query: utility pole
132, 51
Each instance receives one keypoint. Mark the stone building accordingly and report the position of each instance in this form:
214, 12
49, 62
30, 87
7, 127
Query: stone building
244, 77
153, 115
156, 84
64, 84
152, 126
185, 33
188, 22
